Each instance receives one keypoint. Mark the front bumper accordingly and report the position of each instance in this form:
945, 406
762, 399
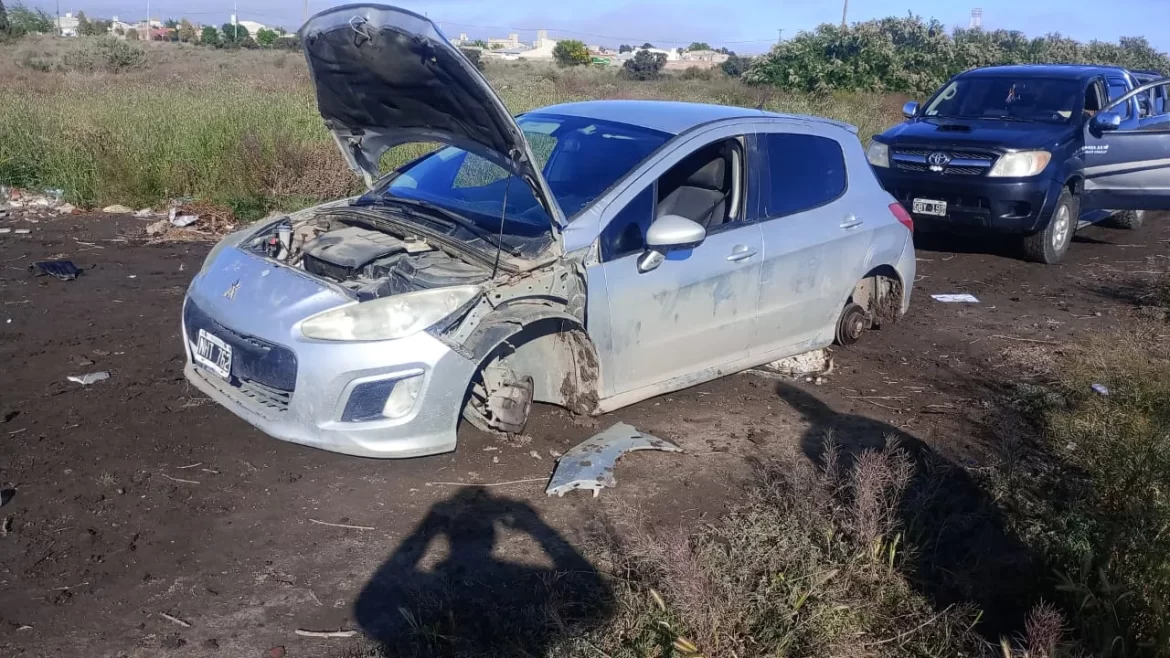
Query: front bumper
299, 390
975, 203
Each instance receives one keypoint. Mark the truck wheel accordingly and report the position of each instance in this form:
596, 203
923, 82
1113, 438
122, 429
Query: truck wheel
1051, 244
1128, 219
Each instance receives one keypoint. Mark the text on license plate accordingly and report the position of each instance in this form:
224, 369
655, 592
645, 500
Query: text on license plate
930, 207
213, 354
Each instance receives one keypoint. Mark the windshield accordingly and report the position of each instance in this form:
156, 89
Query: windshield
1012, 98
580, 158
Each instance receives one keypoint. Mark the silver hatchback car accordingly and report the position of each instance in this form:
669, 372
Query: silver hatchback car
588, 255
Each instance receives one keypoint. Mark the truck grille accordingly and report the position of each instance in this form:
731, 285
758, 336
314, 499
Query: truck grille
959, 162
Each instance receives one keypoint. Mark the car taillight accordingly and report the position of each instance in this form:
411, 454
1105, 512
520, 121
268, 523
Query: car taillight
902, 216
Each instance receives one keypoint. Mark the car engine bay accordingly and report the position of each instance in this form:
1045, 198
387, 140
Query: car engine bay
371, 263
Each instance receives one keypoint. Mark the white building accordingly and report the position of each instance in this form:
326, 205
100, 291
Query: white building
251, 26
67, 25
542, 48
119, 28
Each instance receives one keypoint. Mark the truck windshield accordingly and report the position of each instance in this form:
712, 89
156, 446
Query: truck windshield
1019, 99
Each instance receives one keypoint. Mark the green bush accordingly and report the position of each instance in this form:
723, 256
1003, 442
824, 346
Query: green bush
104, 54
571, 52
644, 66
909, 55
474, 56
735, 66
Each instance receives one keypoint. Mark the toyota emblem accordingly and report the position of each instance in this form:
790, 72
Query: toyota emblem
937, 160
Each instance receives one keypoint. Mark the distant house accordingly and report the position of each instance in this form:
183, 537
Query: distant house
251, 26
542, 48
67, 25
119, 28
712, 56
160, 34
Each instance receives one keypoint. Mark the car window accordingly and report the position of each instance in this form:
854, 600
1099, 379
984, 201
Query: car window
626, 232
804, 172
1117, 88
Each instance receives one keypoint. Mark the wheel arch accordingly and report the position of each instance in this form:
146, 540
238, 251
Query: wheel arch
881, 293
546, 343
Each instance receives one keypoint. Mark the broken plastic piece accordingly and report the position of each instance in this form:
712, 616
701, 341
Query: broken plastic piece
91, 378
590, 464
62, 269
1100, 389
962, 298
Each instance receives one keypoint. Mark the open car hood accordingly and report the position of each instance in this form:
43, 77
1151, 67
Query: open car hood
386, 76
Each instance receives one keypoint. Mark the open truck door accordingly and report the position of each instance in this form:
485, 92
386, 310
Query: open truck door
1127, 163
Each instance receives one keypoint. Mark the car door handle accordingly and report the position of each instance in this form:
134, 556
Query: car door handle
851, 221
741, 252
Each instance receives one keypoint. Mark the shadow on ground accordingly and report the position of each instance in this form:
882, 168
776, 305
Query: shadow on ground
965, 553
465, 598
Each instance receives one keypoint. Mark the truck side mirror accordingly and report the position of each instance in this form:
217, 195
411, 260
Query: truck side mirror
1106, 121
910, 109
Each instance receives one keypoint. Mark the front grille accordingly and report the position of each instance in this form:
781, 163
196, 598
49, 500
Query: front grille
269, 398
961, 163
255, 361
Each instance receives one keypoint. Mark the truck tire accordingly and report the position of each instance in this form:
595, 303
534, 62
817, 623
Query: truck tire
1049, 245
1128, 219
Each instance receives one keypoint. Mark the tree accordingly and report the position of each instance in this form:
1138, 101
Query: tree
474, 56
171, 23
22, 20
265, 37
234, 33
679, 50
132, 34
735, 66
496, 46
187, 31
210, 36
699, 45
83, 27
3, 20
571, 52
647, 45
624, 48
644, 66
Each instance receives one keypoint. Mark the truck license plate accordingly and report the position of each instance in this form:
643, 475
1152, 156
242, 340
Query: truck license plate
930, 207
213, 354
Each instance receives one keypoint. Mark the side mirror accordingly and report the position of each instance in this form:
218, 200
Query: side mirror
910, 109
669, 233
1105, 121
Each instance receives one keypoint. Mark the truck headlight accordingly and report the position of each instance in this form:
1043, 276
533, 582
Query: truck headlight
878, 154
1021, 164
388, 318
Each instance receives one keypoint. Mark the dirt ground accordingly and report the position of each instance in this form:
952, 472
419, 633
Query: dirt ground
137, 498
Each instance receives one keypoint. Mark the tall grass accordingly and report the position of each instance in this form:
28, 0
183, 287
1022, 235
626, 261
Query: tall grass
242, 128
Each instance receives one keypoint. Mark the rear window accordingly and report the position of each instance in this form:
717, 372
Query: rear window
804, 172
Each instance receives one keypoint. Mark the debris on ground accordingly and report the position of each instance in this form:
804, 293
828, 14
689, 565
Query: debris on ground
325, 634
6, 496
1100, 389
62, 269
91, 378
118, 209
48, 201
956, 298
4, 231
590, 464
811, 365
189, 221
22, 231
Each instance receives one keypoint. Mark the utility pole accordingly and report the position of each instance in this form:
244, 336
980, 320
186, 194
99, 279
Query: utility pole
235, 21
58, 17
779, 36
147, 20
306, 13
844, 14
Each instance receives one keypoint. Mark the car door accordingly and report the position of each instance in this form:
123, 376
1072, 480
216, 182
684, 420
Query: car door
814, 241
678, 323
1126, 164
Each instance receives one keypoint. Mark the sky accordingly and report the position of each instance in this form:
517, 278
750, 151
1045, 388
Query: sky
746, 26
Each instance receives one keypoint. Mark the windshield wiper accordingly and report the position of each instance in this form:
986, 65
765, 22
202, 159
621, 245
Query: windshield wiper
437, 212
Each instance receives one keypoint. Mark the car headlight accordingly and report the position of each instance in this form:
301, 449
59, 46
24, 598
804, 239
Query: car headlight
1021, 164
388, 318
878, 154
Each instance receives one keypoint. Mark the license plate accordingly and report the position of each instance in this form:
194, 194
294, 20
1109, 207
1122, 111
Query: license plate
930, 207
213, 354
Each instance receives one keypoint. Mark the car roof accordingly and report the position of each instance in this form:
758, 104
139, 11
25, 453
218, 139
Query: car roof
673, 117
1075, 71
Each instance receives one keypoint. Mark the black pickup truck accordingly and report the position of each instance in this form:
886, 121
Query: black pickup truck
1034, 151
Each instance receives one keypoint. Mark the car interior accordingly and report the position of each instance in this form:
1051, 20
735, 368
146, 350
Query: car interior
1092, 99
705, 186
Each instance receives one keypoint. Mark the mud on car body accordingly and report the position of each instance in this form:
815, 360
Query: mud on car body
587, 255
